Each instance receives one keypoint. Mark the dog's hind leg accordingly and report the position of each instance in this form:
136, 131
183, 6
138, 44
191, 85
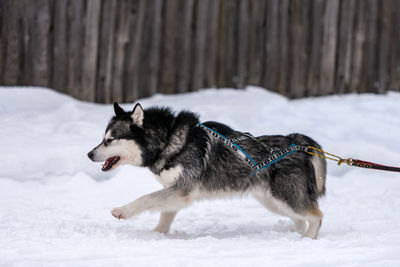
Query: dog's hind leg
165, 200
314, 217
300, 225
164, 224
279, 207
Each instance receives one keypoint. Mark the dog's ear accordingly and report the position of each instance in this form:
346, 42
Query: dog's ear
118, 110
138, 115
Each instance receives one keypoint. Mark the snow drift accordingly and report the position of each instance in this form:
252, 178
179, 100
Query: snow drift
55, 203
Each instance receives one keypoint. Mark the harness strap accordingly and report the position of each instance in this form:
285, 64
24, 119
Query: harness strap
238, 139
230, 144
274, 155
271, 150
280, 154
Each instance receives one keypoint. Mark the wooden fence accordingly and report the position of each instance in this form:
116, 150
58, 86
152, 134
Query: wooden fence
106, 50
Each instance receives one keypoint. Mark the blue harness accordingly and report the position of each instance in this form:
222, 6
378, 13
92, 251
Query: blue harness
274, 155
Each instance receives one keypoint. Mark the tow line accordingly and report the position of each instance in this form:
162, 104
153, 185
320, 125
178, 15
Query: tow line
276, 155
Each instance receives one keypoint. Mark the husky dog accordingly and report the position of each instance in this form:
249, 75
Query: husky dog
193, 165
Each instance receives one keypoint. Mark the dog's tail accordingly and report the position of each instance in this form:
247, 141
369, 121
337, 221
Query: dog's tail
318, 163
320, 174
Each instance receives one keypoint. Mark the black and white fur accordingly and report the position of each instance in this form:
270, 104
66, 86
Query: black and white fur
193, 165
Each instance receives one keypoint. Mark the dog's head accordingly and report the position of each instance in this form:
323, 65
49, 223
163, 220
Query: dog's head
123, 140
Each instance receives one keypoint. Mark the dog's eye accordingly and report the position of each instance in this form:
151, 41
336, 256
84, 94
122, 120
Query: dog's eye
108, 141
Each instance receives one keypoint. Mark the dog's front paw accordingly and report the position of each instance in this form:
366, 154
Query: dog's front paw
119, 213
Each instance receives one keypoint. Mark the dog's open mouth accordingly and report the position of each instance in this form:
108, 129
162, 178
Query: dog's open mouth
109, 163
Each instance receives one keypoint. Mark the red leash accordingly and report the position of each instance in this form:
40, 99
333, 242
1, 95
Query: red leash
371, 165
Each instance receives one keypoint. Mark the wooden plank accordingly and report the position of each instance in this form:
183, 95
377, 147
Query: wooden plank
200, 44
58, 79
283, 78
121, 42
184, 43
106, 51
221, 52
90, 49
3, 40
75, 30
329, 42
168, 62
145, 44
358, 46
394, 62
385, 41
26, 63
242, 43
12, 55
298, 45
271, 70
314, 71
230, 62
39, 43
291, 49
154, 57
306, 47
257, 26
26, 16
369, 65
344, 51
134, 49
50, 43
349, 47
343, 28
226, 60
212, 44
306, 51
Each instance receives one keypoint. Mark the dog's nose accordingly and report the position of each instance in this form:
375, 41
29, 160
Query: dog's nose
90, 155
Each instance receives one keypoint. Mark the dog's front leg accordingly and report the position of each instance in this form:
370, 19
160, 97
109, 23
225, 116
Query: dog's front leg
165, 200
164, 224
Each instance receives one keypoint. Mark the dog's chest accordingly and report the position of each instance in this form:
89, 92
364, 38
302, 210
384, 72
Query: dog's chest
169, 176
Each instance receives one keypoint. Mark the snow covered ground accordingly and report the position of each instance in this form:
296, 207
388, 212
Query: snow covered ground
55, 204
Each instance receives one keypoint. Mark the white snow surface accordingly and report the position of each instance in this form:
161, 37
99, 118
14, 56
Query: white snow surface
55, 203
